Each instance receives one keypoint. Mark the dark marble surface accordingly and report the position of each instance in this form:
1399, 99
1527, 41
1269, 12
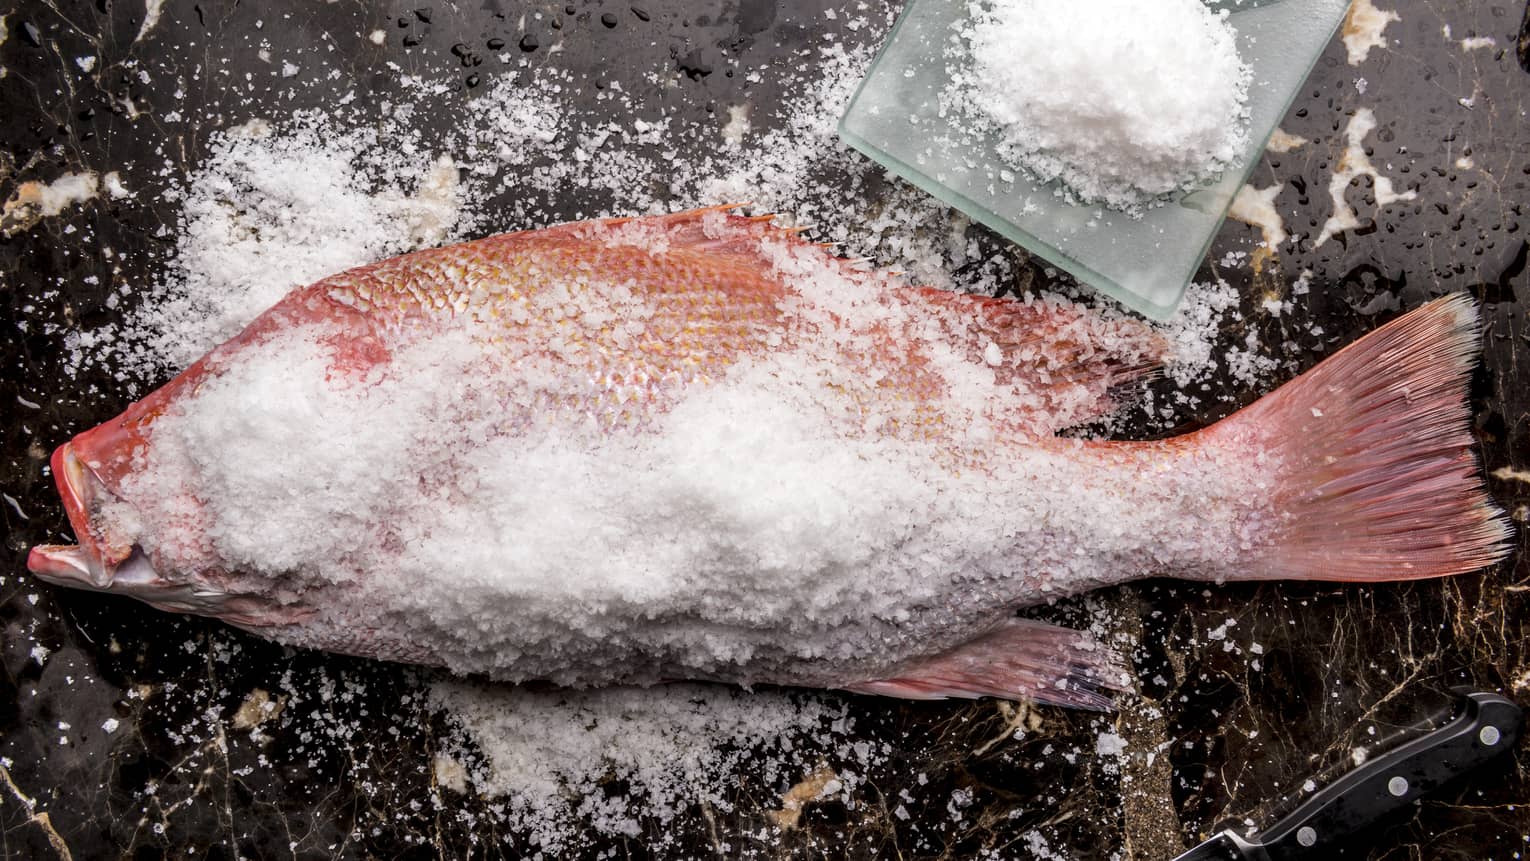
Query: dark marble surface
1221, 731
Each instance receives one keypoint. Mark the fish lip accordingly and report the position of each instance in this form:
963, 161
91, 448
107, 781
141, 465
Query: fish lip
62, 564
135, 577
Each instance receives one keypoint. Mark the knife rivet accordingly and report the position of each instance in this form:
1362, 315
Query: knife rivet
1398, 786
1489, 735
1306, 835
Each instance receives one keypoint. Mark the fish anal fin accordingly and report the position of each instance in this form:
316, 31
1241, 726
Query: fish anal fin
1020, 658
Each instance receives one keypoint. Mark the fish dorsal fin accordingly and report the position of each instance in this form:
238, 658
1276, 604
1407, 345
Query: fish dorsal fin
1068, 364
715, 229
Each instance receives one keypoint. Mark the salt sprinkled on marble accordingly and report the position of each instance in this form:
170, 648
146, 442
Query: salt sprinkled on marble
553, 756
1108, 743
1122, 100
269, 212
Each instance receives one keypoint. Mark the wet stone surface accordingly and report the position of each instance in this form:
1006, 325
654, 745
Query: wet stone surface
128, 732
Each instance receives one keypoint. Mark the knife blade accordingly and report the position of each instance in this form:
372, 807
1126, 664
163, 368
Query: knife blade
1486, 726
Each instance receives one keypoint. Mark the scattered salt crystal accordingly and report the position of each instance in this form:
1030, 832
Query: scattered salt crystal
109, 725
1109, 744
112, 182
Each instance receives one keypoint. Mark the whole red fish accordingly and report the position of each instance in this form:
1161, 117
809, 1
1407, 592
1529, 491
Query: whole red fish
698, 446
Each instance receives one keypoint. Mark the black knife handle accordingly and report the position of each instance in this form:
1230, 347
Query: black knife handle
1488, 725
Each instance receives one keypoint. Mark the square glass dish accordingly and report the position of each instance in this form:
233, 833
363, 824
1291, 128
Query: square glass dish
1146, 263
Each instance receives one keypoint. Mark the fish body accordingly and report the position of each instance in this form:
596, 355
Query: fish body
698, 446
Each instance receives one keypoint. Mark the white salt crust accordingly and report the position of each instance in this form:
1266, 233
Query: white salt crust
764, 527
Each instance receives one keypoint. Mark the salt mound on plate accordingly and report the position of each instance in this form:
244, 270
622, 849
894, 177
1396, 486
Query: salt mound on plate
1122, 100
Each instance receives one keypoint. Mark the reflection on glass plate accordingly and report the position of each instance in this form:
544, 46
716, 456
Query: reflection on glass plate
895, 118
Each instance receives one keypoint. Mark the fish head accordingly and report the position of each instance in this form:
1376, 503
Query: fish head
109, 559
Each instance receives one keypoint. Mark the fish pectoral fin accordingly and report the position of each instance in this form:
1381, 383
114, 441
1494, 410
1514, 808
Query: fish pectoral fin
1021, 658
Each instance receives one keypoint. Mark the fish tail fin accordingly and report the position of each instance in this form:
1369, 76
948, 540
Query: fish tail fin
1377, 478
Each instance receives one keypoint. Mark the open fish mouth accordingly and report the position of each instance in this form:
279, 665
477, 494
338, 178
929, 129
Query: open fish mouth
76, 567
100, 562
105, 562
95, 561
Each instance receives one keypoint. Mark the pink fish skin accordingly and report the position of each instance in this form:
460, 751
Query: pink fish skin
599, 339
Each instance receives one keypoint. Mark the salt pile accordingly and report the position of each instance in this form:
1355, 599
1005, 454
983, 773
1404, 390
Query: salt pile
628, 761
1122, 101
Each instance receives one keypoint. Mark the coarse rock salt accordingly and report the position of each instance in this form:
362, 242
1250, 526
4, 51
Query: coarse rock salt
552, 756
1123, 101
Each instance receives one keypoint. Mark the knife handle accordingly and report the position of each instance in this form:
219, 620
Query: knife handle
1489, 725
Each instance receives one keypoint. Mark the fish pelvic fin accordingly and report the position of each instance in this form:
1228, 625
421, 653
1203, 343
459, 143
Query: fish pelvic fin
1377, 479
1019, 659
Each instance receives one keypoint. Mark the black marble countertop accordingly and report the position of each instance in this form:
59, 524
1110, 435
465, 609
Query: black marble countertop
1218, 735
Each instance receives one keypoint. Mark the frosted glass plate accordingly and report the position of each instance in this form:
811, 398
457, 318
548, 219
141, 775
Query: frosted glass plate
1145, 264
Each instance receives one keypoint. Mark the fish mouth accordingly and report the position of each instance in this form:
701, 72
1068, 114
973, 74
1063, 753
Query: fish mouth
102, 561
106, 562
92, 563
135, 577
